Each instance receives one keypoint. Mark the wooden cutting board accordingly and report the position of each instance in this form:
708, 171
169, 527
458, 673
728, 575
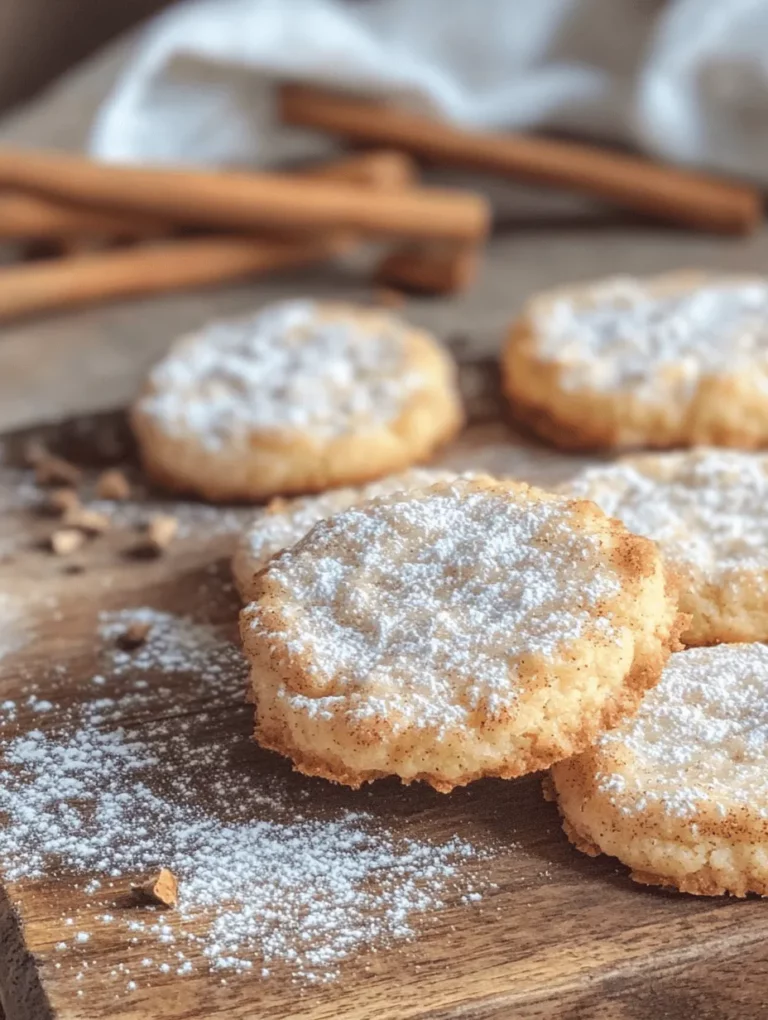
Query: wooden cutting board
527, 927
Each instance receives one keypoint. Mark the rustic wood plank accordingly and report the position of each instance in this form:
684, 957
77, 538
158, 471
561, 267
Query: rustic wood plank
555, 934
561, 935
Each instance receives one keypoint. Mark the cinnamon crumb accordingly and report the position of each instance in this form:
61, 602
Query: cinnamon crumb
66, 541
89, 521
63, 501
134, 635
56, 471
113, 484
387, 297
277, 505
161, 889
161, 530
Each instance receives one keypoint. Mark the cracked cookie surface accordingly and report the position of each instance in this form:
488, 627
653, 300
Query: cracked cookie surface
300, 397
467, 629
673, 360
679, 793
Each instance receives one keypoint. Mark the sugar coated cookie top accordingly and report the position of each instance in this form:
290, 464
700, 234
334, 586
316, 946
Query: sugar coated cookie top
628, 333
424, 607
706, 508
298, 365
285, 522
699, 743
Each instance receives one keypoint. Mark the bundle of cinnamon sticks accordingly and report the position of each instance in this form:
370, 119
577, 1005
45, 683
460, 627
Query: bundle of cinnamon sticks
131, 230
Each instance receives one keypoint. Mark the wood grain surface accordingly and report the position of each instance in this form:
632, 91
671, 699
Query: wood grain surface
561, 935
555, 934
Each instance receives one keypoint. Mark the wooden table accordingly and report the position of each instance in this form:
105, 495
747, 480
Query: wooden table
562, 935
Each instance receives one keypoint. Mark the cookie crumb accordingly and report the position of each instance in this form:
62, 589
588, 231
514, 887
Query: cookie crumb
161, 889
113, 484
56, 471
161, 530
91, 522
134, 635
66, 541
63, 501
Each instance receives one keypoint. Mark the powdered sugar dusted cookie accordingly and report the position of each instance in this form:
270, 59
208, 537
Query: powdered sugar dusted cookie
300, 397
468, 629
707, 510
674, 360
680, 792
284, 522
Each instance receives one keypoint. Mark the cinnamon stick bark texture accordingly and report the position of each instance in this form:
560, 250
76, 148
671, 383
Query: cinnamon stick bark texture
31, 217
667, 193
248, 201
383, 169
151, 269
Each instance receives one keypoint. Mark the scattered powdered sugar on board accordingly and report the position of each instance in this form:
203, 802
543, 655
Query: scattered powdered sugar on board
271, 878
699, 740
293, 365
626, 336
192, 518
18, 490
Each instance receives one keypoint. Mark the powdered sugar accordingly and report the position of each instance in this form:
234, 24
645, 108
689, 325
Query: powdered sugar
272, 878
192, 518
628, 336
699, 740
705, 508
420, 609
286, 522
297, 365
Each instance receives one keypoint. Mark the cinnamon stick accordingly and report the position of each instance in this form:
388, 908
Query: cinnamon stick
248, 201
680, 196
426, 268
26, 217
88, 277
30, 217
152, 269
382, 169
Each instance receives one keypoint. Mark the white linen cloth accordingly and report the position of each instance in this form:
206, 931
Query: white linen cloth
686, 80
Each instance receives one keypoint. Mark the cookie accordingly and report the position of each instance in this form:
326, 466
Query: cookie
674, 360
300, 397
707, 510
284, 522
472, 628
680, 793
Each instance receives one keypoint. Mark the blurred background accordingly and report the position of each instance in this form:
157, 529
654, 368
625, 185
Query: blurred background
682, 84
684, 79
40, 39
